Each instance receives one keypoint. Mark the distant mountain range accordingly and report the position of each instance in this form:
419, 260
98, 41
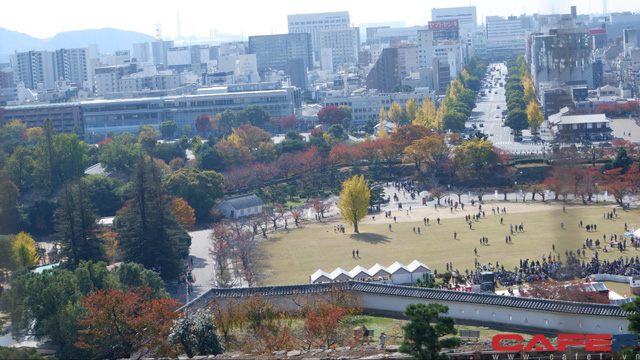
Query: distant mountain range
108, 40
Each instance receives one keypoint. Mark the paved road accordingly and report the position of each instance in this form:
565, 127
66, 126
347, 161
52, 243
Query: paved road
487, 117
202, 265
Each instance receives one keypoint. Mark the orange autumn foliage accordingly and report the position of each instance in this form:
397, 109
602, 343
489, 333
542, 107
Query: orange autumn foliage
119, 324
183, 212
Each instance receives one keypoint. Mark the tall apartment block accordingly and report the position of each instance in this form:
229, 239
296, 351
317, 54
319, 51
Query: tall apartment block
33, 68
313, 24
384, 74
73, 65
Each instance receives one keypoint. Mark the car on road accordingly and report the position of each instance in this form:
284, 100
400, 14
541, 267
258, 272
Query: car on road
495, 92
498, 107
481, 125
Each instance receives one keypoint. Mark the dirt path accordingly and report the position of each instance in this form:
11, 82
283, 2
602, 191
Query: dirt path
417, 214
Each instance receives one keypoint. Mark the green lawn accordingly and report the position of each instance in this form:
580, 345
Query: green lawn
620, 288
292, 256
393, 328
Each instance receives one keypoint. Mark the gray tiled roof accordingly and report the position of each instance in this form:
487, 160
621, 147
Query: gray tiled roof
419, 293
244, 201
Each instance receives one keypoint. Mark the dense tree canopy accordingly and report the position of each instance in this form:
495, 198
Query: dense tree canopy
199, 188
150, 234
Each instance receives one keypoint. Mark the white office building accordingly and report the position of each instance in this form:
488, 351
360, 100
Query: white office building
314, 23
179, 58
505, 36
447, 51
466, 16
344, 45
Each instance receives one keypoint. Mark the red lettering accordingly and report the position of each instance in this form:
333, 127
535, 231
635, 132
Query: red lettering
546, 345
495, 342
569, 339
601, 342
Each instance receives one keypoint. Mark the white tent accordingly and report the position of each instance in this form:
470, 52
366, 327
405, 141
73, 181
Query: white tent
379, 270
637, 234
399, 273
359, 272
319, 277
340, 274
418, 270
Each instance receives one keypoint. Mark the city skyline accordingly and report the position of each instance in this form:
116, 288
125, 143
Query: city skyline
259, 18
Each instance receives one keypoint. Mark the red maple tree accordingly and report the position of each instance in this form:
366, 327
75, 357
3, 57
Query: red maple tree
119, 324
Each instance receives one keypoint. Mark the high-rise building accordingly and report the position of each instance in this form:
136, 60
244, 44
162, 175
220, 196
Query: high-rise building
6, 78
344, 45
142, 52
446, 51
33, 68
72, 65
562, 54
274, 52
466, 16
630, 40
505, 36
297, 71
441, 75
314, 23
160, 49
179, 58
384, 74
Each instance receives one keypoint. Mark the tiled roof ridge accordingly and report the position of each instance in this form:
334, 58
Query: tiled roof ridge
559, 306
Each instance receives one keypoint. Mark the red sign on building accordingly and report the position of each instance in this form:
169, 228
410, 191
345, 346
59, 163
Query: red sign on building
597, 31
444, 24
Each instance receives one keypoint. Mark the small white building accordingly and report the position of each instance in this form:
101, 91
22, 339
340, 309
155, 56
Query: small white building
238, 206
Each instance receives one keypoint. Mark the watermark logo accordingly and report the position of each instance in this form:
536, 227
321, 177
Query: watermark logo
598, 343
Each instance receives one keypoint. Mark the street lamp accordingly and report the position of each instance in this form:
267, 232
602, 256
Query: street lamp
596, 193
516, 190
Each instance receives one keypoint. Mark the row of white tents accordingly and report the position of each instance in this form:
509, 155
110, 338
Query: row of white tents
397, 273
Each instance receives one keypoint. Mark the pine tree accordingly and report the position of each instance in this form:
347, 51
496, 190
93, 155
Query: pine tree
76, 224
150, 234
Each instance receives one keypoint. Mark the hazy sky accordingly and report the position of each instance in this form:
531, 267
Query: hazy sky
45, 18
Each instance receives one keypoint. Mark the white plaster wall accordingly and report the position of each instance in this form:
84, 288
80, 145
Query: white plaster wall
506, 316
401, 278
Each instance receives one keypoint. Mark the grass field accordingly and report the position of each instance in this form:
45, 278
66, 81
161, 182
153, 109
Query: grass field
393, 328
292, 256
